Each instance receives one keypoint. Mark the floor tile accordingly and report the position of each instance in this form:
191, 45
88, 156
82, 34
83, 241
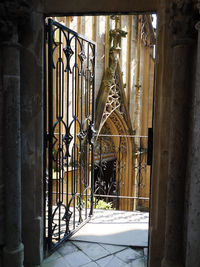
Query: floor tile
128, 255
113, 248
53, 257
123, 234
138, 263
91, 264
111, 261
67, 248
93, 250
76, 259
58, 262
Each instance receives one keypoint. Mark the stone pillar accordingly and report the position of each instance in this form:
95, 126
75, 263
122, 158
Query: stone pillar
181, 14
12, 14
32, 138
13, 250
2, 232
193, 231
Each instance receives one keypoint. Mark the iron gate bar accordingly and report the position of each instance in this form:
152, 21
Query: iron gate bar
99, 195
117, 135
122, 197
69, 132
44, 137
50, 129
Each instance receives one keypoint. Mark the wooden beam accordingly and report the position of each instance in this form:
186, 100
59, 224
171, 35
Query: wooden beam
90, 7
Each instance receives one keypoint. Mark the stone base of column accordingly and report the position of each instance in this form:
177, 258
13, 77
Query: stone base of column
14, 257
167, 263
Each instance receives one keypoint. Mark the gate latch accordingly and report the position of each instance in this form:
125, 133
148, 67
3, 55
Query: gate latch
90, 133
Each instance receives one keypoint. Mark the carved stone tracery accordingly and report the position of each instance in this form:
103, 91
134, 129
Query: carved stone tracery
113, 102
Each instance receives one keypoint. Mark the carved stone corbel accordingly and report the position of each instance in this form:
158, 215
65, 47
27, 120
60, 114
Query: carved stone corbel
13, 14
182, 19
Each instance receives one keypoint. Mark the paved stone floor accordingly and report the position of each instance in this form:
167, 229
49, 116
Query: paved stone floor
116, 228
91, 252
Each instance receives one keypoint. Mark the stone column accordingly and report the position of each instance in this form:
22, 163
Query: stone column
1, 162
13, 251
193, 231
31, 60
181, 14
12, 13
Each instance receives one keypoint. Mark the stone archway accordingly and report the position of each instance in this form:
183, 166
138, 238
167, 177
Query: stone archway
116, 130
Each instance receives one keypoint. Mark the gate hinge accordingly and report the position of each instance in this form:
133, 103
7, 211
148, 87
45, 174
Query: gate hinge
90, 133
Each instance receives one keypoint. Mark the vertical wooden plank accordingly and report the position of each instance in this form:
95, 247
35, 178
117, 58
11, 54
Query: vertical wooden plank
94, 28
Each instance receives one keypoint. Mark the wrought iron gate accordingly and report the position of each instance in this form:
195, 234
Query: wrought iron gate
68, 133
121, 177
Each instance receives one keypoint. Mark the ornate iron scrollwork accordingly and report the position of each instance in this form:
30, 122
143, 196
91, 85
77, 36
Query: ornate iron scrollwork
66, 217
67, 139
81, 135
68, 53
90, 133
82, 55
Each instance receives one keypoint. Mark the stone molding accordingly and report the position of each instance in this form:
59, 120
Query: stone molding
13, 14
182, 18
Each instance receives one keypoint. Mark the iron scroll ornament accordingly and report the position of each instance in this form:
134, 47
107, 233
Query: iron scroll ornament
91, 133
